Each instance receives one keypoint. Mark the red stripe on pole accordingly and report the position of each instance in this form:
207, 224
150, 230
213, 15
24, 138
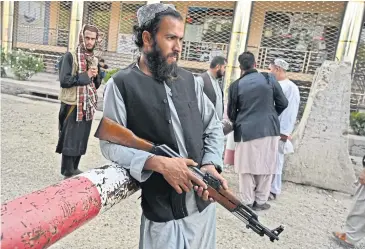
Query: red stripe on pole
39, 219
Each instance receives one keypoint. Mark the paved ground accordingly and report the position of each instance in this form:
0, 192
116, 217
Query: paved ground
29, 137
43, 83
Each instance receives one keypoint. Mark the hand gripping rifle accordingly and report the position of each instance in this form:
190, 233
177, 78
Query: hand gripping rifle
113, 132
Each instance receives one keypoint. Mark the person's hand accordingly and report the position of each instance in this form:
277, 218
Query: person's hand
227, 126
283, 138
362, 177
92, 72
176, 172
204, 194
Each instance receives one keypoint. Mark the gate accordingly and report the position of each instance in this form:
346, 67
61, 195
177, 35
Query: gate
42, 28
304, 33
208, 27
115, 21
358, 82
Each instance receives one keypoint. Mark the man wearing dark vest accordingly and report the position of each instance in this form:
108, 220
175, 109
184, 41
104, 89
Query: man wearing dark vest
79, 79
213, 83
164, 104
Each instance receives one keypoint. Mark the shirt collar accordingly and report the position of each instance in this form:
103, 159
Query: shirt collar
211, 75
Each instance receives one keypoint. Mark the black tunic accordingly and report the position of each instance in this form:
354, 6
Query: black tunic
73, 136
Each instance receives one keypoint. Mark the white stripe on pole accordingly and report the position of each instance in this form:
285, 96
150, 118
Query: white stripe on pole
113, 183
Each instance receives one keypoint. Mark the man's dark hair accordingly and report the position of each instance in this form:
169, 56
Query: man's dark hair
102, 60
153, 26
218, 60
247, 61
91, 29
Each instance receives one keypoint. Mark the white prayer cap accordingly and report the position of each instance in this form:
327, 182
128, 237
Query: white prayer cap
148, 12
281, 63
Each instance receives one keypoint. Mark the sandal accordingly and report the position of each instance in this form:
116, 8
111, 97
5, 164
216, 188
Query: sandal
340, 238
272, 196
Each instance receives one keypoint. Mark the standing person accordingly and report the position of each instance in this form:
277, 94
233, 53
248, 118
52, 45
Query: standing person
230, 144
287, 120
355, 221
103, 68
254, 111
163, 103
213, 83
79, 79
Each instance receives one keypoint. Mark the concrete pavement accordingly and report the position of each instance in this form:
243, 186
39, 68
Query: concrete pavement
41, 85
29, 162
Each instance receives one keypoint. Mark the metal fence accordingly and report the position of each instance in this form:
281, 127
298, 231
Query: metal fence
115, 21
42, 27
208, 27
358, 82
304, 33
1, 20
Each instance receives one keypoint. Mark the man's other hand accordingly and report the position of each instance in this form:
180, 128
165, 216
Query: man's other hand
283, 138
176, 172
92, 72
204, 194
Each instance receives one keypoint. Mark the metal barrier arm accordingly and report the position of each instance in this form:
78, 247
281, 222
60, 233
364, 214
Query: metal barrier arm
39, 219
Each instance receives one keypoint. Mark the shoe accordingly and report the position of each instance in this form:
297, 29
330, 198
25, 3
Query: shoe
77, 172
66, 177
272, 197
340, 239
261, 207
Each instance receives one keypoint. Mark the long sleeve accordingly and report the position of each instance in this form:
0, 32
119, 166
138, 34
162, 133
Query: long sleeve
131, 159
280, 100
232, 101
67, 80
97, 80
289, 115
213, 130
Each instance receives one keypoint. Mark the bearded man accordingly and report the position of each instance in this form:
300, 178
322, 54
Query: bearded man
213, 83
163, 103
79, 79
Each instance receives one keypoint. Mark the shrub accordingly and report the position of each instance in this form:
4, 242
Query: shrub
3, 57
109, 74
357, 123
24, 64
3, 60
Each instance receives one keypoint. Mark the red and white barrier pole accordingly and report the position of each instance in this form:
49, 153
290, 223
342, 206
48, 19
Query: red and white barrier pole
39, 219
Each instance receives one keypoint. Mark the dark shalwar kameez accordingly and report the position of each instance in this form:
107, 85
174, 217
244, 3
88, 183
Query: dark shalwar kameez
73, 135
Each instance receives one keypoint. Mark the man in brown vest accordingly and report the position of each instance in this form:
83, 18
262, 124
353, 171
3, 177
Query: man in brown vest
213, 83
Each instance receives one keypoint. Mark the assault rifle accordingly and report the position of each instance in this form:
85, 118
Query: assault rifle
115, 133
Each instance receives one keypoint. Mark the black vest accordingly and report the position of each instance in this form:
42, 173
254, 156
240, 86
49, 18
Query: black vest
148, 116
209, 89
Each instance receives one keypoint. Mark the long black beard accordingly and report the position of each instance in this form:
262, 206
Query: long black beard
157, 64
220, 75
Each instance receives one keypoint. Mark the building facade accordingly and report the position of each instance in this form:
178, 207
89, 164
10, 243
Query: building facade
305, 33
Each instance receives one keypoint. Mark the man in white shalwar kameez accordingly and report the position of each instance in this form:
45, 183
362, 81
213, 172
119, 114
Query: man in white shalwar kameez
287, 120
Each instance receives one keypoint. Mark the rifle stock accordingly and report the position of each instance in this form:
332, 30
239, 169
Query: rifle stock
113, 132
